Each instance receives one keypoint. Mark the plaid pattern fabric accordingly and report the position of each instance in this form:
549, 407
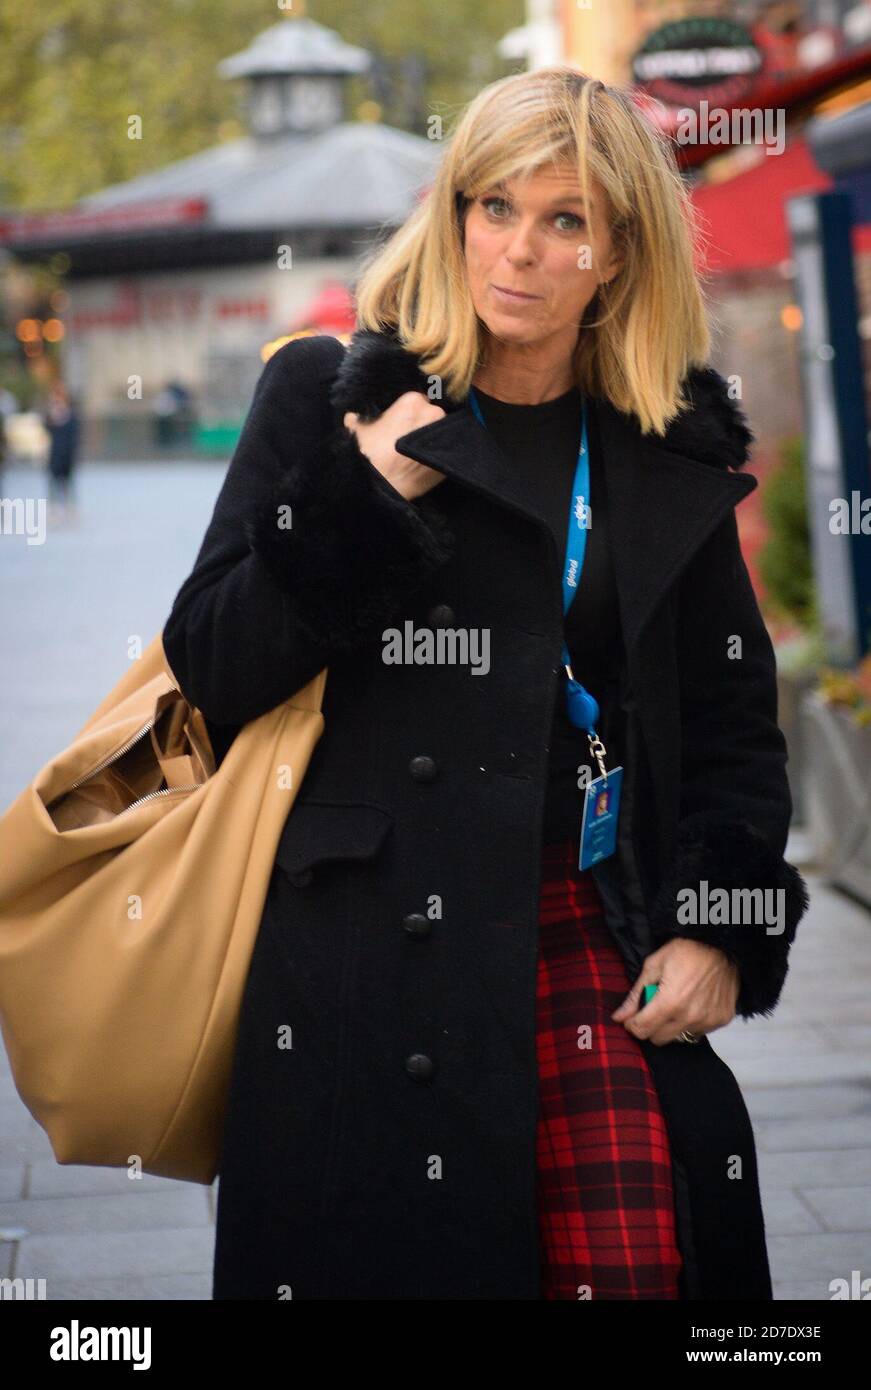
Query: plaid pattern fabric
603, 1172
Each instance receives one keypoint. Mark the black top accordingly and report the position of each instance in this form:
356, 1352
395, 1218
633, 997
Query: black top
542, 442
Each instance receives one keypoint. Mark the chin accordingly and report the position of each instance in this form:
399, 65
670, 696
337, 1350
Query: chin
510, 329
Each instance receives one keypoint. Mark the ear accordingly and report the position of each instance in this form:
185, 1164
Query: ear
612, 268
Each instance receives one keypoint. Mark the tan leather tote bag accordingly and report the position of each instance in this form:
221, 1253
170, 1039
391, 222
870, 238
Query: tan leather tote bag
133, 876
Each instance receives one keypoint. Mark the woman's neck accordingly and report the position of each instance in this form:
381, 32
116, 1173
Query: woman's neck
524, 376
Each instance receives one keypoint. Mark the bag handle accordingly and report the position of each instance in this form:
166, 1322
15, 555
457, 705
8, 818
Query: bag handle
181, 742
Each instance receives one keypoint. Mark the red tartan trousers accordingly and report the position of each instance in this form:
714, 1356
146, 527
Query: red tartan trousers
603, 1169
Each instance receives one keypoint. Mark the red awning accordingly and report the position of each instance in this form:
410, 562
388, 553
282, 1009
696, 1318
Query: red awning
743, 219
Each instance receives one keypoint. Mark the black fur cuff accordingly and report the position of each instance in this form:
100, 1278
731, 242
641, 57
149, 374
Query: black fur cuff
715, 851
355, 549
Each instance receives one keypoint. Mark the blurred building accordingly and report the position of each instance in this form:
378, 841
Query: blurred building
801, 71
185, 277
793, 35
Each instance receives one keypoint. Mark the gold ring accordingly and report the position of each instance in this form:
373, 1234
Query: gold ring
688, 1037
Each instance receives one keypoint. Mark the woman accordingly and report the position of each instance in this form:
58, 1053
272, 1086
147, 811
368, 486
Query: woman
435, 1093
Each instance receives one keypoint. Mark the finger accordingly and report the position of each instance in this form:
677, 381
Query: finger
652, 973
656, 1017
631, 1002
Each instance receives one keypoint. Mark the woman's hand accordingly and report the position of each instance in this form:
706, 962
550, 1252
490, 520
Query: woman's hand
698, 990
377, 440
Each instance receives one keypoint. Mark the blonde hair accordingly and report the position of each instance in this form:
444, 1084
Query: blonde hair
641, 333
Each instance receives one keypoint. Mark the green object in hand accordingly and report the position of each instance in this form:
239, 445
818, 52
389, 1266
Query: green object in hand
647, 994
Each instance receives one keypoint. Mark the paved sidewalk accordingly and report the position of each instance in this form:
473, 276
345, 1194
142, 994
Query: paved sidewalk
94, 1233
806, 1076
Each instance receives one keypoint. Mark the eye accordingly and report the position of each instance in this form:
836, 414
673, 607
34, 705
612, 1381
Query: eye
492, 204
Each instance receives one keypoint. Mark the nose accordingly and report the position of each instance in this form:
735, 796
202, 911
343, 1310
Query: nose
520, 246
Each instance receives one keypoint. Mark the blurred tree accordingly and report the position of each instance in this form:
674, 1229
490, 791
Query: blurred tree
785, 559
74, 72
457, 53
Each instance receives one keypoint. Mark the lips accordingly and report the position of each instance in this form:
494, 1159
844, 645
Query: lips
515, 294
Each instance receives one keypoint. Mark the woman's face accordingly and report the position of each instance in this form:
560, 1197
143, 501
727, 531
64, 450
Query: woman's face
534, 236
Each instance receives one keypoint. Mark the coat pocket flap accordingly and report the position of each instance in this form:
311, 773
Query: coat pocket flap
318, 831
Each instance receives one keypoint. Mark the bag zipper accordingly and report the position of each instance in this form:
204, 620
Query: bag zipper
119, 753
125, 747
163, 791
116, 753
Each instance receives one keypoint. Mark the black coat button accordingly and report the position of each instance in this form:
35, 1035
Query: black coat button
441, 616
416, 924
303, 878
422, 769
419, 1066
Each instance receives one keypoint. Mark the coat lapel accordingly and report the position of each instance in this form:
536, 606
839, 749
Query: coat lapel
661, 509
664, 498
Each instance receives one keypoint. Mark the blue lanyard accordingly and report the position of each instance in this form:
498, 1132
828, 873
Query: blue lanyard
581, 708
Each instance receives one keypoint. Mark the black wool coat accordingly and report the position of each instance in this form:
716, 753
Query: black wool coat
389, 1151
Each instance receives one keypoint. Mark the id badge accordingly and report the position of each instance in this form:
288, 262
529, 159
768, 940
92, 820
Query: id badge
599, 823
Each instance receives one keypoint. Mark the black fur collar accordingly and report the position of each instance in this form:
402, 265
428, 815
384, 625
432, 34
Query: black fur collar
377, 368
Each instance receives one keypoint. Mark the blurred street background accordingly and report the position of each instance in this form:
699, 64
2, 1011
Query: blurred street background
167, 222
